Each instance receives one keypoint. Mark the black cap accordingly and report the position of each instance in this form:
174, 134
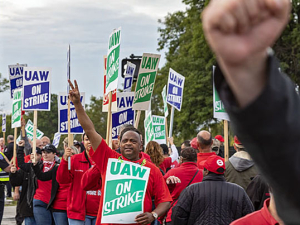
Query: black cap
38, 150
50, 148
76, 143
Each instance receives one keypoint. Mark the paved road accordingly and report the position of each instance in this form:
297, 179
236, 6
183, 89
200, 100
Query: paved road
9, 215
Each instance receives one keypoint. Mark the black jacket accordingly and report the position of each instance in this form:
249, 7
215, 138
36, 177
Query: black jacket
49, 175
9, 151
26, 167
212, 201
20, 178
269, 128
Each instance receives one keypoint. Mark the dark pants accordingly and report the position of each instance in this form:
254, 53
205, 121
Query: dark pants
8, 189
1, 201
18, 218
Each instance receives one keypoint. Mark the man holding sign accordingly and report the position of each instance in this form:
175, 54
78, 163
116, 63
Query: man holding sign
130, 181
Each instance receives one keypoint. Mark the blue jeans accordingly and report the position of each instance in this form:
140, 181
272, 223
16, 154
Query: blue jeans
60, 218
42, 216
76, 222
29, 221
90, 220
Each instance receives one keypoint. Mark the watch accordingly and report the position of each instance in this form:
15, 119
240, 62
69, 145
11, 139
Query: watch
154, 214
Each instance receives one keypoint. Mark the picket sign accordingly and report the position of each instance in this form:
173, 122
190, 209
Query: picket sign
174, 94
124, 191
56, 139
16, 117
220, 113
128, 76
125, 114
105, 96
148, 124
3, 126
29, 131
113, 60
15, 77
159, 129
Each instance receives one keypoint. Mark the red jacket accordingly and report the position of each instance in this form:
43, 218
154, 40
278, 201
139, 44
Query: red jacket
201, 158
185, 172
91, 182
156, 186
260, 217
76, 196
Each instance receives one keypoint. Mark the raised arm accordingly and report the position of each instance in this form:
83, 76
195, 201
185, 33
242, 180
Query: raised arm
83, 118
240, 32
20, 157
174, 154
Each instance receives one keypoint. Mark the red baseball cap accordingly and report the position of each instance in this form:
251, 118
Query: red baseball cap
237, 142
215, 164
219, 137
194, 143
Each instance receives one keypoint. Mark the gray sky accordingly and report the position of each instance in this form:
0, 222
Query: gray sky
37, 32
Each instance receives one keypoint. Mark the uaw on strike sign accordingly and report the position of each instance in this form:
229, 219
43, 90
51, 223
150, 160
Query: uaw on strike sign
15, 77
36, 89
175, 89
124, 191
63, 114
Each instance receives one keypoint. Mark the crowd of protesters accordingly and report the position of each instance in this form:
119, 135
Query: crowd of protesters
194, 185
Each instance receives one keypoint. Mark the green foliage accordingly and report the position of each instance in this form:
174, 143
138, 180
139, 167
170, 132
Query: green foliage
94, 111
287, 46
4, 84
189, 55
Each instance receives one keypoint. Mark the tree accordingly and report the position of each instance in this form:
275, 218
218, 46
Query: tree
189, 55
4, 84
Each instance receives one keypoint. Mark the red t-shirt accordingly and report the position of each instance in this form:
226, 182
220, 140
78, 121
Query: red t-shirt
185, 172
43, 191
175, 164
201, 158
260, 217
159, 192
166, 164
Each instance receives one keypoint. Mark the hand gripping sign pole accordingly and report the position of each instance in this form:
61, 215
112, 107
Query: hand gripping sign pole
226, 153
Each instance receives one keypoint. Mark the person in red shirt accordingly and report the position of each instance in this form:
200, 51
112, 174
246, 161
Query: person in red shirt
130, 146
204, 143
155, 152
266, 216
78, 198
188, 173
42, 194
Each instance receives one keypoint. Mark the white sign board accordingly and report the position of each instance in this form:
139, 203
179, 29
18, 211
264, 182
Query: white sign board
56, 139
36, 89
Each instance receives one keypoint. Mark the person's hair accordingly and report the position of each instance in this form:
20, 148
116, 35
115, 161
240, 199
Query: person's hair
84, 134
10, 137
186, 143
204, 142
189, 154
154, 150
165, 149
131, 128
75, 150
124, 126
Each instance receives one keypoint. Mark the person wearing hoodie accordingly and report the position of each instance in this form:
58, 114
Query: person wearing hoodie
240, 168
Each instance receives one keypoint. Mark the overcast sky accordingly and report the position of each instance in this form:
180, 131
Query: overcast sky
37, 32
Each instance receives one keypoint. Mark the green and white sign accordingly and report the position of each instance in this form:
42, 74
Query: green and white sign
149, 133
16, 108
113, 60
164, 97
145, 83
159, 129
29, 132
124, 191
219, 110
